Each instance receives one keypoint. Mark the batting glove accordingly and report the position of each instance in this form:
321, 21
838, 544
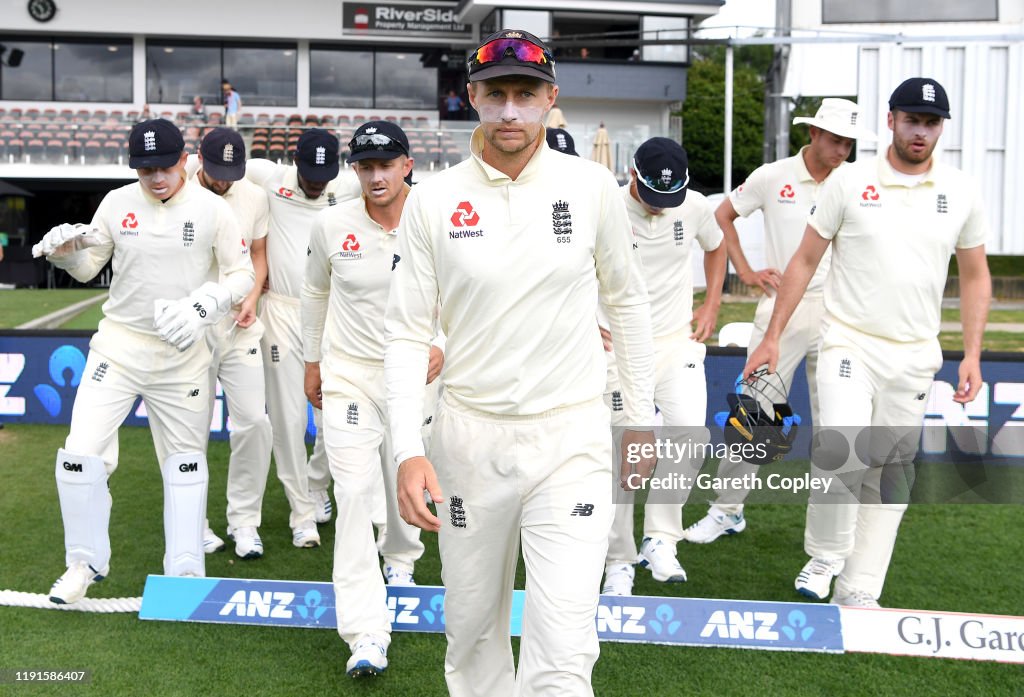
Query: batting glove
183, 322
65, 239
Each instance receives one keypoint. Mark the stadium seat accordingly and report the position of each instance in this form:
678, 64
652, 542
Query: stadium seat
54, 151
73, 148
83, 115
344, 120
258, 150
276, 152
133, 116
98, 116
116, 115
14, 113
246, 119
312, 121
49, 114
32, 115
736, 334
263, 119
92, 151
112, 151
216, 118
328, 121
35, 150
14, 148
3, 149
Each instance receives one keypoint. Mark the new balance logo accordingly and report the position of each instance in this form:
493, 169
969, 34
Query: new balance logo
252, 352
845, 368
458, 513
616, 401
920, 396
352, 414
941, 204
100, 372
583, 509
193, 393
275, 354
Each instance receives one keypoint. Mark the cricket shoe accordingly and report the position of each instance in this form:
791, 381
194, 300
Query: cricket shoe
815, 579
211, 543
369, 657
71, 587
248, 544
322, 506
715, 524
305, 535
396, 575
618, 579
854, 598
660, 557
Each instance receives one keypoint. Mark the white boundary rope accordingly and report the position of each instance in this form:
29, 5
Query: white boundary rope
39, 600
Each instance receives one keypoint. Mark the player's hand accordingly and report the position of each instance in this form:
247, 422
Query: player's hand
311, 385
66, 239
763, 279
704, 319
606, 338
970, 381
435, 365
247, 312
765, 354
415, 476
638, 458
184, 321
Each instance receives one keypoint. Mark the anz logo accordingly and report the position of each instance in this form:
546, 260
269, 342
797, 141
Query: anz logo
995, 420
741, 625
622, 619
404, 614
65, 369
259, 604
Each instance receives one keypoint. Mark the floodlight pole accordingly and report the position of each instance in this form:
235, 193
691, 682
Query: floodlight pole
727, 173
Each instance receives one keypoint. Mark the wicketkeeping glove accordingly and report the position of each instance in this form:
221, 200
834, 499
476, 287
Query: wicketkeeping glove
183, 322
78, 235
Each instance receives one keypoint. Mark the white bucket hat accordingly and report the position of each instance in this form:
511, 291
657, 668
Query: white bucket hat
839, 116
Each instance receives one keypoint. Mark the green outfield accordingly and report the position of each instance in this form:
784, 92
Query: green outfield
948, 557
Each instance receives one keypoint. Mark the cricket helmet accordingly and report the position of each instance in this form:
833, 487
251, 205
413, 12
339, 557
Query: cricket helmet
760, 415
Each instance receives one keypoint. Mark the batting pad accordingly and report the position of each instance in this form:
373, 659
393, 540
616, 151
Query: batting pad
85, 508
185, 483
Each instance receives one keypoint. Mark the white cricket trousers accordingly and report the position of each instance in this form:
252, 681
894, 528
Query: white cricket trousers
357, 440
124, 364
545, 480
680, 394
799, 340
238, 363
285, 373
864, 381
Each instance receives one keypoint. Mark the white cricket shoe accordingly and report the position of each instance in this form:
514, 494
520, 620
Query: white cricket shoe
618, 579
398, 576
660, 557
211, 543
854, 598
71, 586
322, 506
815, 579
369, 657
715, 524
248, 544
305, 535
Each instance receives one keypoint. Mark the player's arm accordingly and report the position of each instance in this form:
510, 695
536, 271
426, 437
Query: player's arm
192, 165
743, 201
315, 298
710, 238
408, 329
975, 296
258, 255
237, 275
258, 170
794, 284
81, 250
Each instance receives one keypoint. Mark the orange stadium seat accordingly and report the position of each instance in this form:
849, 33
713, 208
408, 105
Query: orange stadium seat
14, 148
73, 148
55, 150
92, 151
35, 150
112, 151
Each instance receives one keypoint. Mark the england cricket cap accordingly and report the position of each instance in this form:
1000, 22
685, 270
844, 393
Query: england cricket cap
223, 152
920, 95
662, 173
511, 52
838, 116
316, 155
560, 140
154, 143
377, 140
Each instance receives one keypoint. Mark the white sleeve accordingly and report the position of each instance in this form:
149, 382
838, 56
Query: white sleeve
236, 273
316, 293
192, 165
408, 330
259, 170
749, 196
623, 294
709, 235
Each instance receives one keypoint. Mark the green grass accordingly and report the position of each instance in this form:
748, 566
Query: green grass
87, 319
952, 314
25, 304
948, 557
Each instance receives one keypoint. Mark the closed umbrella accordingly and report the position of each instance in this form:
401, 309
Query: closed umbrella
602, 151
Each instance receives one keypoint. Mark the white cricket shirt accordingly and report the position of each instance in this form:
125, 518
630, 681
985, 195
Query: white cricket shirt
891, 244
666, 248
786, 193
517, 267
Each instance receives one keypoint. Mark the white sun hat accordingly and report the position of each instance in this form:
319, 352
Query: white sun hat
839, 116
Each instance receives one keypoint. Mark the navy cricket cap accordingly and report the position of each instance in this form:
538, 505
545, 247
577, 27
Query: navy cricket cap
223, 152
154, 143
316, 155
662, 172
920, 95
377, 140
560, 140
511, 52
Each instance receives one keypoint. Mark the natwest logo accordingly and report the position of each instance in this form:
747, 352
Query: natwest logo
464, 215
287, 193
351, 244
787, 191
869, 193
130, 221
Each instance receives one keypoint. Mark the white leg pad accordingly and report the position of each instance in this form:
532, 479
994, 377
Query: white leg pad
85, 508
186, 478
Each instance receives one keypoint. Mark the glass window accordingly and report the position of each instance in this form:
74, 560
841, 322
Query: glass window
666, 28
175, 73
570, 31
262, 76
33, 79
92, 72
340, 78
402, 82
